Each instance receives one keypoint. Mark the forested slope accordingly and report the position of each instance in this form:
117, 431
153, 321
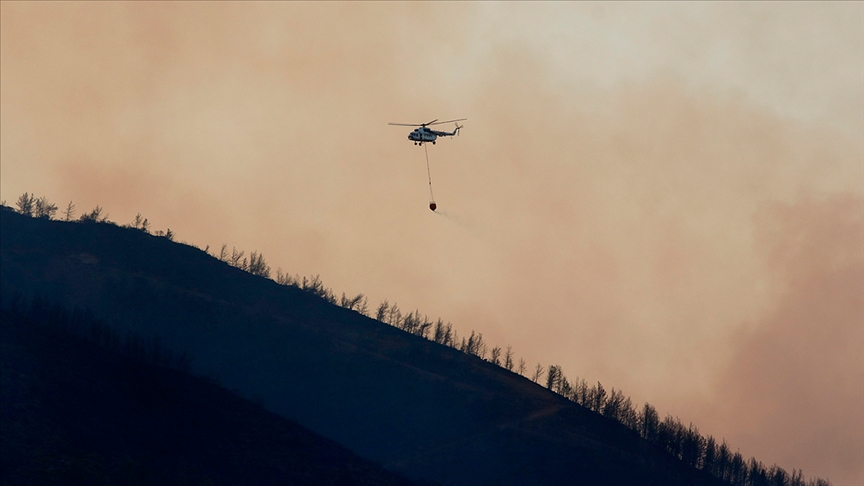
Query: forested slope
427, 410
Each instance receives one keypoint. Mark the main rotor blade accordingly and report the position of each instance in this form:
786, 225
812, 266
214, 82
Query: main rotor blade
433, 122
448, 121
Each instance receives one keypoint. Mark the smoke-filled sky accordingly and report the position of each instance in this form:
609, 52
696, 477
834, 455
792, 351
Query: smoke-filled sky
664, 197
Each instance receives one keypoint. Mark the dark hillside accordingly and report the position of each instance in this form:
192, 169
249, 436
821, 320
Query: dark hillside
415, 406
76, 411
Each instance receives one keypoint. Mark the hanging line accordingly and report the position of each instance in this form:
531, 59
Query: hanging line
428, 173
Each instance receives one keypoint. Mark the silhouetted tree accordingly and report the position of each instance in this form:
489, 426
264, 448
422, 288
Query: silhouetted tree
25, 204
614, 405
709, 457
286, 279
796, 478
649, 423
756, 474
443, 333
383, 311
597, 397
495, 356
454, 340
777, 476
137, 221
521, 368
350, 303
257, 265
169, 234
628, 415
669, 435
474, 345
557, 382
394, 316
236, 260
69, 213
314, 286
723, 462
553, 377
425, 327
737, 470
538, 372
580, 392
362, 306
44, 209
94, 216
692, 446
508, 358
411, 322
564, 387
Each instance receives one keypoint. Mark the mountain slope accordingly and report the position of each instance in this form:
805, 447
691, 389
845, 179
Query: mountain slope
75, 411
415, 406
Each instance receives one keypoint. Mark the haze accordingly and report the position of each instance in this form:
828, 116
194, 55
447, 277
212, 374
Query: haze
664, 197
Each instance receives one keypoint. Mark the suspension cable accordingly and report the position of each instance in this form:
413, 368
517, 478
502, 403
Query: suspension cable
429, 174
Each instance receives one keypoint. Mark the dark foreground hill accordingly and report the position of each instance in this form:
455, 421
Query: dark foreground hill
75, 411
415, 406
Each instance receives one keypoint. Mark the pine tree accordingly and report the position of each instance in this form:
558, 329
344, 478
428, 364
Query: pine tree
553, 377
25, 204
137, 221
508, 358
42, 208
495, 357
69, 213
383, 311
538, 372
649, 422
521, 368
257, 265
94, 216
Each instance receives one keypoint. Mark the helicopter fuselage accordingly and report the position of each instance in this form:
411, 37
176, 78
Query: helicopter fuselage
423, 134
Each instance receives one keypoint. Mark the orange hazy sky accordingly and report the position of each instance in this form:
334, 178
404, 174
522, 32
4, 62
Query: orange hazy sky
664, 197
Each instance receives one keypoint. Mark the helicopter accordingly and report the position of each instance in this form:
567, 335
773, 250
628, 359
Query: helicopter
422, 134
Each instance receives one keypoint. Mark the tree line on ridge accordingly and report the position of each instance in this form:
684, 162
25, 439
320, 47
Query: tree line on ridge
685, 443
